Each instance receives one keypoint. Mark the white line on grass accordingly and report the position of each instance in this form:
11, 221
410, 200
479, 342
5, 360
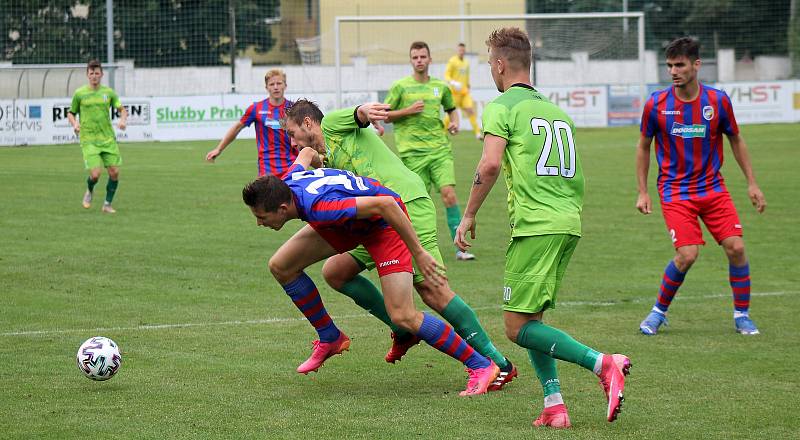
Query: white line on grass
342, 317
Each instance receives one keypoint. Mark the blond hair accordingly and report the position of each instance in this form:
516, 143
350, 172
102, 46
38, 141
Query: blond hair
512, 44
274, 72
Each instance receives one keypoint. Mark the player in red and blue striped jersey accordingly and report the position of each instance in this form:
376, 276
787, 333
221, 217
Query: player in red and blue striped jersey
275, 150
688, 121
344, 211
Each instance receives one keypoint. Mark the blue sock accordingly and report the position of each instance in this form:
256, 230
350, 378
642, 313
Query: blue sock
672, 280
305, 296
740, 285
442, 337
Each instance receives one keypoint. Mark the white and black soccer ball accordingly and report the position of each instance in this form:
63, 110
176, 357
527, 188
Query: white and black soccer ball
99, 358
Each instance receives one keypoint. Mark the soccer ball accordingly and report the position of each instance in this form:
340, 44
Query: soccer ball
99, 358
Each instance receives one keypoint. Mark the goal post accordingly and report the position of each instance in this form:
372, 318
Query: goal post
532, 21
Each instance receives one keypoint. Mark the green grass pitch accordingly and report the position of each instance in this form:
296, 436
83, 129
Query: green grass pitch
210, 342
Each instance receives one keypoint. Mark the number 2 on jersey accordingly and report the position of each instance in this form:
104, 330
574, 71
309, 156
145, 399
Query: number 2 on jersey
558, 127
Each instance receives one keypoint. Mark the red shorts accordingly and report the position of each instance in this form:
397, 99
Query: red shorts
717, 212
385, 247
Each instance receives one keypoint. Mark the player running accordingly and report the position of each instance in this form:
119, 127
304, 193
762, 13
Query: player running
91, 104
275, 152
344, 211
456, 73
688, 120
545, 198
424, 147
342, 136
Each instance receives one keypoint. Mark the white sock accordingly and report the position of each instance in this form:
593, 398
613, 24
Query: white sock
738, 314
598, 365
553, 400
657, 310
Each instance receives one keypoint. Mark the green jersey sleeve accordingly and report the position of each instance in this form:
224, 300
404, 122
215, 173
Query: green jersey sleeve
341, 121
115, 102
75, 107
394, 95
495, 120
448, 103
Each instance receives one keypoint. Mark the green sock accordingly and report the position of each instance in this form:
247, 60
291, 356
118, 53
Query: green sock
465, 323
111, 188
545, 367
553, 342
453, 219
90, 183
368, 297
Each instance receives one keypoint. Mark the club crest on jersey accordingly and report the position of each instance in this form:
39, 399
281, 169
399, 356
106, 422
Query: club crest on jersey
708, 113
435, 91
105, 98
688, 131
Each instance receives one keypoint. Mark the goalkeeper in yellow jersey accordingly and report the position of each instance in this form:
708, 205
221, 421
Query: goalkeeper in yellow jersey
457, 76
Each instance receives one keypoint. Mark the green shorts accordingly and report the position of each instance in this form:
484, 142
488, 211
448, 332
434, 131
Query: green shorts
535, 266
435, 167
422, 213
101, 154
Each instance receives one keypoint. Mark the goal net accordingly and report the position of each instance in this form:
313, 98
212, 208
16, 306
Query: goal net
575, 56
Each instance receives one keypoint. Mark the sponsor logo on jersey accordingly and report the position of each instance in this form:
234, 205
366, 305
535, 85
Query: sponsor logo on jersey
389, 263
688, 131
272, 123
670, 112
708, 113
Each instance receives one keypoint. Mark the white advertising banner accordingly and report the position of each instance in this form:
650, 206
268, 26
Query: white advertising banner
762, 102
587, 106
44, 121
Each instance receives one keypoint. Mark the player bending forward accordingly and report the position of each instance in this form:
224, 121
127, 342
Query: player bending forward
344, 211
545, 198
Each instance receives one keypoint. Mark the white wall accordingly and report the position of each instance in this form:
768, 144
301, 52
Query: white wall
362, 77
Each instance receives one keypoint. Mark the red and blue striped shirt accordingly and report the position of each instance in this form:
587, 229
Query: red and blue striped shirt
689, 141
275, 151
326, 198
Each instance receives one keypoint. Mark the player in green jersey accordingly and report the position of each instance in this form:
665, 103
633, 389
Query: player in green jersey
421, 141
91, 104
346, 143
533, 141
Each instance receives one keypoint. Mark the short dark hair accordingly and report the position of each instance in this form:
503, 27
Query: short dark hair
301, 109
420, 45
94, 64
462, 45
683, 46
512, 44
267, 192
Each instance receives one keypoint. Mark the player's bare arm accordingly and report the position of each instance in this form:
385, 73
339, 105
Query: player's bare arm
485, 178
76, 126
230, 135
123, 118
643, 202
308, 158
455, 122
374, 113
413, 109
742, 156
387, 208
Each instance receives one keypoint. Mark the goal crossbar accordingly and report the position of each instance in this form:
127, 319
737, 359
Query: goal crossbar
496, 17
